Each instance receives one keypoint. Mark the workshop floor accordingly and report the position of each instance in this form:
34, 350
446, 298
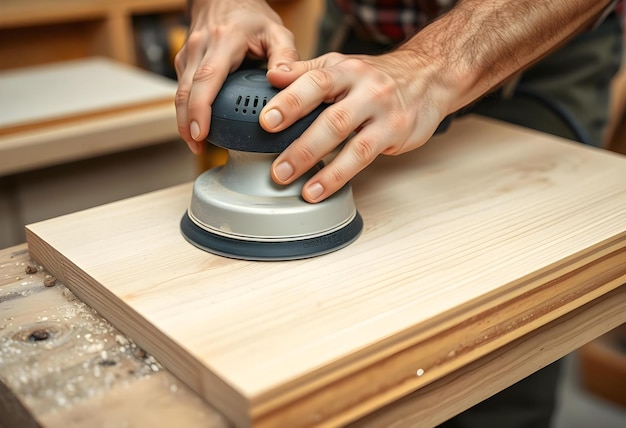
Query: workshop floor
579, 409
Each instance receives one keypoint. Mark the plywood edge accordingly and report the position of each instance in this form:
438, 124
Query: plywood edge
179, 361
376, 376
479, 380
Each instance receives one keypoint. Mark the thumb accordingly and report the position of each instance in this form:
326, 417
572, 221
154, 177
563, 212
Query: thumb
284, 55
281, 50
283, 74
281, 54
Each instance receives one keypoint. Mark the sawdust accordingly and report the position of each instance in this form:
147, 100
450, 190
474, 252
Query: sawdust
63, 355
49, 281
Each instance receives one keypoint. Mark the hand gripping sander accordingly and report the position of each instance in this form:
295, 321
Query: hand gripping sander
237, 211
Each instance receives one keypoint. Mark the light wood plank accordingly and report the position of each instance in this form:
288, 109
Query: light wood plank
484, 235
60, 115
108, 133
75, 89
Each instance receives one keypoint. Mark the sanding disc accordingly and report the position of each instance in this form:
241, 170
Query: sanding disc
270, 250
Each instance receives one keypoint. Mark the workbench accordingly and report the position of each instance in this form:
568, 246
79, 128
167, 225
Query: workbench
62, 364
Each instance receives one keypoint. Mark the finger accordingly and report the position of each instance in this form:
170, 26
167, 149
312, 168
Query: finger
330, 129
207, 81
359, 152
186, 62
181, 99
282, 74
302, 97
281, 50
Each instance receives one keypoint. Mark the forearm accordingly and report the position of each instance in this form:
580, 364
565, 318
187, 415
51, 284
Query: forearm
480, 43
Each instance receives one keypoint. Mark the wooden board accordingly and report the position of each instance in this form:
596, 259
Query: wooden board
83, 139
79, 109
485, 234
49, 94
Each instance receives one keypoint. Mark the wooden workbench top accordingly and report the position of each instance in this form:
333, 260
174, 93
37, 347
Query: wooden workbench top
484, 236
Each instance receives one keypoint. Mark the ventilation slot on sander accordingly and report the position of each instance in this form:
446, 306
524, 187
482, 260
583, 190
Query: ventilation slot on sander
237, 211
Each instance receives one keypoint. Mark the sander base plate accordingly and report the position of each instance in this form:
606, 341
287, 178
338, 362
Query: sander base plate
270, 250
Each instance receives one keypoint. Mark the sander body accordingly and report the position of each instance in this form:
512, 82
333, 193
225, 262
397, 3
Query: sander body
237, 211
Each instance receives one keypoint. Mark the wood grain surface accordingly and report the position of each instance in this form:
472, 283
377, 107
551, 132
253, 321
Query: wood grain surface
484, 235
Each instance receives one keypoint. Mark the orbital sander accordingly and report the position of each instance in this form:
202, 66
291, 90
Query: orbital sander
237, 211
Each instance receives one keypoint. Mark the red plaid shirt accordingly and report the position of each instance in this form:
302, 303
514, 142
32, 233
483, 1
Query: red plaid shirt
392, 21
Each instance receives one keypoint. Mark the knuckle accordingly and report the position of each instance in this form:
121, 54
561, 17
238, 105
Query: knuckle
292, 100
321, 79
339, 122
179, 61
181, 98
337, 176
204, 73
306, 155
381, 89
333, 56
356, 65
290, 53
364, 150
195, 40
284, 32
398, 122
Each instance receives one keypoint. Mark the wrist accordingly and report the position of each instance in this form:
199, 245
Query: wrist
438, 73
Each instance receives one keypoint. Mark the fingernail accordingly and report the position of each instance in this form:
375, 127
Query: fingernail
283, 171
273, 118
283, 67
194, 130
314, 191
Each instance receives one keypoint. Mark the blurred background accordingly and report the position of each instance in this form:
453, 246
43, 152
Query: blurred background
65, 148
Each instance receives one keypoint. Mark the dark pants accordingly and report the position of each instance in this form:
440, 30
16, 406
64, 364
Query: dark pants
565, 94
530, 403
